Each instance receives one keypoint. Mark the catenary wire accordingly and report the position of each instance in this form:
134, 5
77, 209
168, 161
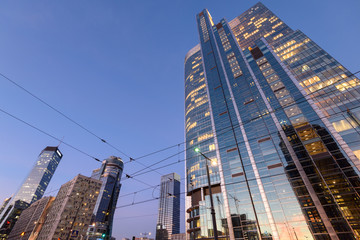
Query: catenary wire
226, 184
62, 114
296, 101
49, 135
184, 142
67, 117
232, 127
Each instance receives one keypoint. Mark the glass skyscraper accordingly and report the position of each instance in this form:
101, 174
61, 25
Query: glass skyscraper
281, 118
168, 222
110, 175
32, 189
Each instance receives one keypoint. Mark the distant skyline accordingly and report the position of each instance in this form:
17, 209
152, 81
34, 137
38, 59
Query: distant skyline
117, 68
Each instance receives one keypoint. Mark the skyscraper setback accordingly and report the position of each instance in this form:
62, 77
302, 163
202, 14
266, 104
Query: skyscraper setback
281, 118
32, 189
168, 222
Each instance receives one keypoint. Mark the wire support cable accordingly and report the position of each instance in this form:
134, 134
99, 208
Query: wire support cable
63, 114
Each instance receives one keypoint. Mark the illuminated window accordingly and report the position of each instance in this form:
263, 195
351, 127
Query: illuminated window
273, 19
205, 136
265, 66
247, 35
292, 111
286, 101
305, 68
261, 61
310, 81
204, 29
235, 68
276, 86
207, 114
357, 153
277, 25
268, 72
349, 84
269, 33
194, 168
315, 148
299, 121
307, 134
191, 126
212, 147
224, 40
272, 78
278, 36
343, 125
281, 93
285, 45
194, 92
195, 66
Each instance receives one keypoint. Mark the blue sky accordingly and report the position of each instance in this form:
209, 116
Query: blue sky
116, 67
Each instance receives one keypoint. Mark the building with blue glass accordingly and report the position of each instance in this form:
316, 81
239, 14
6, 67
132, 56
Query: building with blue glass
32, 189
110, 175
168, 222
281, 119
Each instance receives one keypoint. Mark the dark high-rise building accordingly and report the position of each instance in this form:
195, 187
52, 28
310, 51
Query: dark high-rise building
32, 189
110, 175
281, 118
168, 222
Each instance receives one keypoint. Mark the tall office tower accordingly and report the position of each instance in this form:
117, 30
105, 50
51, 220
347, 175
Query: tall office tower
5, 203
110, 175
281, 118
168, 222
71, 212
31, 220
32, 189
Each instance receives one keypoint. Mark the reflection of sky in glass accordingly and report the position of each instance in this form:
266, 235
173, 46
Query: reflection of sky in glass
38, 179
282, 162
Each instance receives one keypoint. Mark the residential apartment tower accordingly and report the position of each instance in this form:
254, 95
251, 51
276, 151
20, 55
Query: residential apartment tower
281, 118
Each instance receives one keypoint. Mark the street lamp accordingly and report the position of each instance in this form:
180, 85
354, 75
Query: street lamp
210, 193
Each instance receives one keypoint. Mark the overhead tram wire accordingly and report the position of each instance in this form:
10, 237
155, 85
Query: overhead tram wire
92, 133
140, 172
62, 114
231, 127
296, 101
226, 184
137, 216
103, 140
58, 139
184, 142
158, 151
183, 160
49, 135
68, 118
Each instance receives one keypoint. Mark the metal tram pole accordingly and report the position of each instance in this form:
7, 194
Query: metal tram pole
210, 193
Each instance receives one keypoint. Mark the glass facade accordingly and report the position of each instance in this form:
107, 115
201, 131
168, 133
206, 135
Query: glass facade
110, 175
33, 188
281, 116
168, 222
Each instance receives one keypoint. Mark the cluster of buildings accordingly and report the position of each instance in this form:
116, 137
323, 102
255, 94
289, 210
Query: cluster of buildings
277, 117
280, 117
83, 208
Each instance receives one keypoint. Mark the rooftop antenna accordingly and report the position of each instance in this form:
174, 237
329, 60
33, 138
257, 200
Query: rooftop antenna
61, 141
